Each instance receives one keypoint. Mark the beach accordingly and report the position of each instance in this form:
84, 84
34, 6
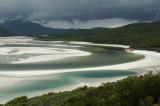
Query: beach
151, 60
59, 52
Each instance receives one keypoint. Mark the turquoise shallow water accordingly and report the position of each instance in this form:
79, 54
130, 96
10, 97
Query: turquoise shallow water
100, 57
32, 86
44, 83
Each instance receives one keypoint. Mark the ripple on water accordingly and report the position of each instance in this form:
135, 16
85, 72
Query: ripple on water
55, 81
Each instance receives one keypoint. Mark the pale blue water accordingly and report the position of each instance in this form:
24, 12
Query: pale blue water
100, 57
56, 81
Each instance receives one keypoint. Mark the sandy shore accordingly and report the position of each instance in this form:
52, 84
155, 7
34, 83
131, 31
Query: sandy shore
46, 54
8, 78
70, 87
151, 60
107, 45
15, 39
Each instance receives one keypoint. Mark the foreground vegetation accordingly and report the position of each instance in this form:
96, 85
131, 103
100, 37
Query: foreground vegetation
132, 91
140, 35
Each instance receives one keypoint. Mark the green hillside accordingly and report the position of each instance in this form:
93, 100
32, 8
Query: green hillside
4, 32
133, 91
140, 35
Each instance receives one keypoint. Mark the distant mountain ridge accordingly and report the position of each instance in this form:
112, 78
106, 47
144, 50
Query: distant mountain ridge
4, 32
27, 28
23, 27
139, 35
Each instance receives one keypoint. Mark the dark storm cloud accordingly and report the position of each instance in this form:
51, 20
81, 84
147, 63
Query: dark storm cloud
82, 10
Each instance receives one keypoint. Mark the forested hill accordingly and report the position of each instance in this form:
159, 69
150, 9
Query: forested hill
28, 28
133, 91
140, 35
4, 32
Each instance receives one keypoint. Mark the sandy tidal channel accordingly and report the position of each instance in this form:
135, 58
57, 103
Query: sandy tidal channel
30, 67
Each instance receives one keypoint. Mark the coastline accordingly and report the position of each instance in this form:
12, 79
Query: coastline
151, 59
105, 45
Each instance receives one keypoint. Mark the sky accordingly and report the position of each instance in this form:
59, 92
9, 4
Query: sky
81, 13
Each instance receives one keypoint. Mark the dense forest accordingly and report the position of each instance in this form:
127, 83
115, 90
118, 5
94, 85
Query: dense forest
132, 91
4, 32
139, 35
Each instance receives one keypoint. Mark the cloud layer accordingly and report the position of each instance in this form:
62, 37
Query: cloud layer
48, 11
107, 23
